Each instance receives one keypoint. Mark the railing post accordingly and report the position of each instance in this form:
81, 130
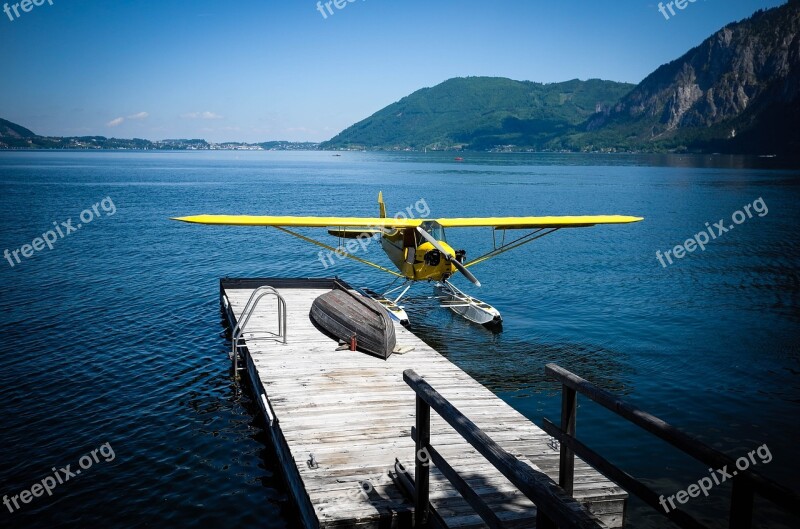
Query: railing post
422, 467
741, 515
566, 467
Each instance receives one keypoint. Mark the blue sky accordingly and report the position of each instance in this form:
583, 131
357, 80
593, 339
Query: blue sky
257, 70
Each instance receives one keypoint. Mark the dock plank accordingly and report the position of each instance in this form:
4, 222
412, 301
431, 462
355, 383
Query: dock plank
354, 413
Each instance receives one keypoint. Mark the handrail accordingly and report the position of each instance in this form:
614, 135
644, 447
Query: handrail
247, 306
247, 312
746, 483
554, 506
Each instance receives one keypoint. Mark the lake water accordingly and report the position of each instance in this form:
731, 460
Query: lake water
113, 336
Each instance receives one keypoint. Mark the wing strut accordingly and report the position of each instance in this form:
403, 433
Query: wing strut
525, 239
337, 252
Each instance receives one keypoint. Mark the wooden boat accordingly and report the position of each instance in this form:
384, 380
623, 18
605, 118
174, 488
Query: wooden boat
345, 314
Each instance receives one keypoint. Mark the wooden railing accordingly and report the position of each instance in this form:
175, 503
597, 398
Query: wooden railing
746, 483
555, 508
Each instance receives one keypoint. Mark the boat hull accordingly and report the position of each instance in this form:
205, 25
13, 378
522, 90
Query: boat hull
344, 314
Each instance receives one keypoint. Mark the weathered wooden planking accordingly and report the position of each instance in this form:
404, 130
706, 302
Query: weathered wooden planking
354, 413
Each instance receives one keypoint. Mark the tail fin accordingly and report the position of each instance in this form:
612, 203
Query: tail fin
381, 205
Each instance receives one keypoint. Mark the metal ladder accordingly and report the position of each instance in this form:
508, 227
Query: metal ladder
241, 322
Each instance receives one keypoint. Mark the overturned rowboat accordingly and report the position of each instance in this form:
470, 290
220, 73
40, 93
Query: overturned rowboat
347, 315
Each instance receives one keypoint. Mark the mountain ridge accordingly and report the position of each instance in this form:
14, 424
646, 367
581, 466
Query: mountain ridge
740, 80
736, 92
478, 110
12, 130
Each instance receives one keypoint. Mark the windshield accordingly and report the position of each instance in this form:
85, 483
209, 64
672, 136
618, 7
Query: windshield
435, 229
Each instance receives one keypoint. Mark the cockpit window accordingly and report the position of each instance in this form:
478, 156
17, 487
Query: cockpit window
435, 229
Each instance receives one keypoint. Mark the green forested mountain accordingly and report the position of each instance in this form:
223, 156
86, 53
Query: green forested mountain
481, 113
737, 92
12, 130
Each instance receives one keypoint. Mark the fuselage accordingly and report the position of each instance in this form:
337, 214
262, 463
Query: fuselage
416, 258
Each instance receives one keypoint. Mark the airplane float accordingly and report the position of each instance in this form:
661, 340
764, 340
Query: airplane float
419, 250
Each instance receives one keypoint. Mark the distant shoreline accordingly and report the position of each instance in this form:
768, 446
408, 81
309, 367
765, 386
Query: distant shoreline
429, 152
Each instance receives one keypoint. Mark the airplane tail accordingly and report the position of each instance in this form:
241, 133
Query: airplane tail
381, 205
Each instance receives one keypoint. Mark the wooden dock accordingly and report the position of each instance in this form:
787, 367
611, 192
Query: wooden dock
339, 420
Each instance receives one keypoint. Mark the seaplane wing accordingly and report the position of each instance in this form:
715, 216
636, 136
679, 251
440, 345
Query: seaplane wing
302, 222
500, 223
521, 223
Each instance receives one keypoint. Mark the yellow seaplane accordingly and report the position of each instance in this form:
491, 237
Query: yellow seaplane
419, 250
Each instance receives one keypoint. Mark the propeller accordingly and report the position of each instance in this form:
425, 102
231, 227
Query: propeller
449, 258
